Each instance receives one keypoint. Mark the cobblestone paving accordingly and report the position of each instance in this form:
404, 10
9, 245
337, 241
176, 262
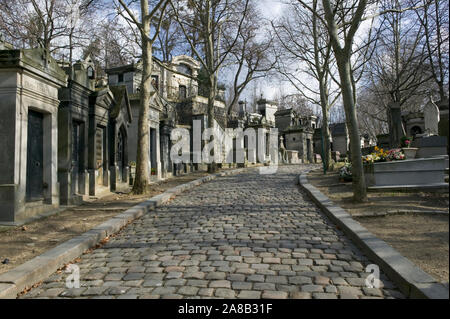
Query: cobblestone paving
243, 236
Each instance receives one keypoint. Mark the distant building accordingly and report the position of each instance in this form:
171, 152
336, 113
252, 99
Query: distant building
339, 139
176, 101
297, 132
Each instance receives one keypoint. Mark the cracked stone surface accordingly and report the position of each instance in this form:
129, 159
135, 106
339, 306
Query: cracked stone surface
242, 236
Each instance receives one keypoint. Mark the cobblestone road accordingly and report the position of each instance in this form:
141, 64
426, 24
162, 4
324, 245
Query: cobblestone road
243, 236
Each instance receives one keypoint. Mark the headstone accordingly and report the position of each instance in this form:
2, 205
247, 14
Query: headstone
396, 130
431, 117
383, 141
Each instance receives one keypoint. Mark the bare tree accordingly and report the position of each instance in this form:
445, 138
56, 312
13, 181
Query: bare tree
399, 72
31, 23
169, 39
212, 19
433, 17
112, 45
343, 19
305, 54
372, 115
148, 38
56, 26
250, 55
399, 65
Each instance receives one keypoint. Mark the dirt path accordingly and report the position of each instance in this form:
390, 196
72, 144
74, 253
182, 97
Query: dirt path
423, 238
22, 243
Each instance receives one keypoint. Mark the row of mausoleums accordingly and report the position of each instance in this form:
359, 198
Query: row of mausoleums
68, 135
63, 138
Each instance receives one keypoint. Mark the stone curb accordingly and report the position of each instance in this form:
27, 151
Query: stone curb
41, 267
401, 212
410, 279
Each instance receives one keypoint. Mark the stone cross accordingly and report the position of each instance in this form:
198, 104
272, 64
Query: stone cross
431, 117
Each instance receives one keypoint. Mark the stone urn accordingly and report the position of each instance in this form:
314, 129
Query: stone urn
410, 152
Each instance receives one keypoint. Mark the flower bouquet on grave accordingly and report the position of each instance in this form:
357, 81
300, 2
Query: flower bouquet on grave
345, 173
368, 159
396, 154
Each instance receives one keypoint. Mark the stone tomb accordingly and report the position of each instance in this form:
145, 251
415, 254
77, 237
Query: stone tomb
120, 119
29, 84
73, 123
423, 172
300, 139
92, 136
100, 102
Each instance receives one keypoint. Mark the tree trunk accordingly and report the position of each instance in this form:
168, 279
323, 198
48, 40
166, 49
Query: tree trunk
212, 84
142, 179
343, 57
325, 128
326, 140
359, 183
212, 167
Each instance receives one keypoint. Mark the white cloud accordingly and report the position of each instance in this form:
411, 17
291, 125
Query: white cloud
270, 8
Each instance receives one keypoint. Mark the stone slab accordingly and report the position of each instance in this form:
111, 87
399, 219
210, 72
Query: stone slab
430, 141
422, 171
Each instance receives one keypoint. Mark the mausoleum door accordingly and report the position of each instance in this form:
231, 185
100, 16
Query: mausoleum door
308, 150
120, 153
35, 157
76, 155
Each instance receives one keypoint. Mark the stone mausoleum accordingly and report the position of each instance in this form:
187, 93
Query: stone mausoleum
297, 132
64, 137
29, 85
